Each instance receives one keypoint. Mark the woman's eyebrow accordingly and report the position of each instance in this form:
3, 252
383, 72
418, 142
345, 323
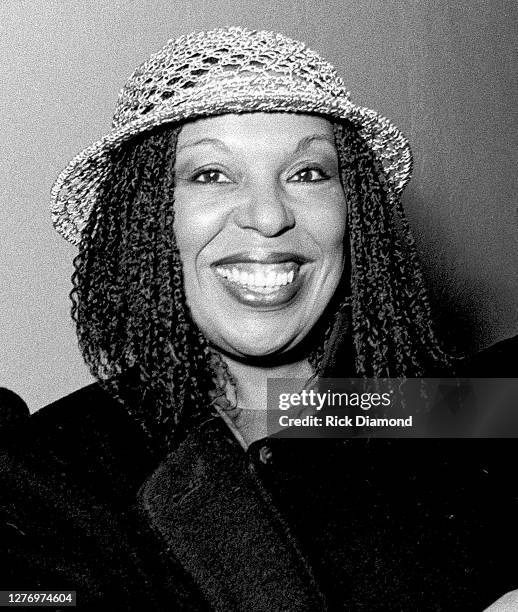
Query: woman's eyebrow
302, 145
307, 141
216, 142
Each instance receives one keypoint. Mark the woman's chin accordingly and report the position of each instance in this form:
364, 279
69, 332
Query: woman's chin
258, 349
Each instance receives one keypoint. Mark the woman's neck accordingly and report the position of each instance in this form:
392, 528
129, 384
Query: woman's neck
250, 420
251, 381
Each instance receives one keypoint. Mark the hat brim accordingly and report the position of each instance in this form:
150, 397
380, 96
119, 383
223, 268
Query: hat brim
74, 193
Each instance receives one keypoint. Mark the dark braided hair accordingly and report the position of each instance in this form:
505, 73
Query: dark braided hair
128, 300
392, 327
129, 306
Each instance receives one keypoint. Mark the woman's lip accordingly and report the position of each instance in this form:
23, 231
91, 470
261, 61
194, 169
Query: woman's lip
262, 257
266, 296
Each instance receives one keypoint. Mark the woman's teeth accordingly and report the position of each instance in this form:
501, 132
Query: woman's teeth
257, 278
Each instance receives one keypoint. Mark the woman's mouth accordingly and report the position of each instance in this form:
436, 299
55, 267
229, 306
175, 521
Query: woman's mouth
261, 284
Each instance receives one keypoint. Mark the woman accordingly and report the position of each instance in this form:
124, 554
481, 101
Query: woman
241, 221
205, 76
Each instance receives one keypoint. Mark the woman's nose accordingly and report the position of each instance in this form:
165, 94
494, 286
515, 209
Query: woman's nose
265, 210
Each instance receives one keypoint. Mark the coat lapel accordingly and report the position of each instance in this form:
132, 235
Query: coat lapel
204, 502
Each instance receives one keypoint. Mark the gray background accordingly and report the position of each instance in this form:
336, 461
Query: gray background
443, 70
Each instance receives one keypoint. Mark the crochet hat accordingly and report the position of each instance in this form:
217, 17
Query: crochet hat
230, 70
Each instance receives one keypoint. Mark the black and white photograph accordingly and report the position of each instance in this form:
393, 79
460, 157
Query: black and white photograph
258, 319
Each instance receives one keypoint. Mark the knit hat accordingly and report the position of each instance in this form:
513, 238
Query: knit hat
230, 70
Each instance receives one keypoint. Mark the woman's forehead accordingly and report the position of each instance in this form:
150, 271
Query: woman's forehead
238, 129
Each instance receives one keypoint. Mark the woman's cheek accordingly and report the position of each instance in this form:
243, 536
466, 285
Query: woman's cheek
196, 223
326, 221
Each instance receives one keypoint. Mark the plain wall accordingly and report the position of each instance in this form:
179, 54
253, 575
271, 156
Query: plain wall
444, 71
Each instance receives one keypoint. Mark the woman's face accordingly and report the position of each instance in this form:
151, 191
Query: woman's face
259, 221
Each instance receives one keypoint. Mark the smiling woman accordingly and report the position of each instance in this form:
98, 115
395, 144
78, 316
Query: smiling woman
260, 225
260, 221
241, 222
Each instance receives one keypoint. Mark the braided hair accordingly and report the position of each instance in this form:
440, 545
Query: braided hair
392, 328
128, 301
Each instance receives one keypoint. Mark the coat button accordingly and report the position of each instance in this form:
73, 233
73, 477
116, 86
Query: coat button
265, 454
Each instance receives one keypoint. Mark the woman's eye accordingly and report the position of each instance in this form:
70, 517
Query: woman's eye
309, 175
211, 176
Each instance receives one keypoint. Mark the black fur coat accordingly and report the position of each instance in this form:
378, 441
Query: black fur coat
290, 525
